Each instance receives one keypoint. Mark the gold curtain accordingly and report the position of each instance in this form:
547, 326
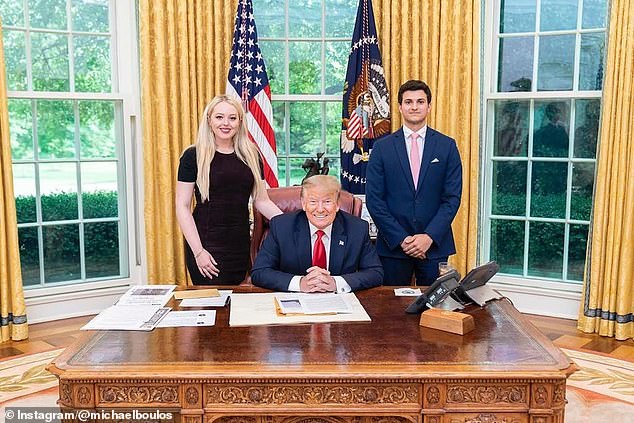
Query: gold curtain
185, 48
12, 308
607, 305
438, 41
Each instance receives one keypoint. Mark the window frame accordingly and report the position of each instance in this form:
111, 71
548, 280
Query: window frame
125, 96
284, 159
490, 94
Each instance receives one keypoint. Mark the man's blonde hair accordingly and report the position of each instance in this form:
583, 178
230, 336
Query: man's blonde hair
325, 182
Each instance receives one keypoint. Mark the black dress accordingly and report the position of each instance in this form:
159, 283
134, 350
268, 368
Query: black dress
223, 220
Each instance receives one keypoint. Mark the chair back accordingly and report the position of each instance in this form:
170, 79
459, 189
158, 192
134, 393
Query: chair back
288, 199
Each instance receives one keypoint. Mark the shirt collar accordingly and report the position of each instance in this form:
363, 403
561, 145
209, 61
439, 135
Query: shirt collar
421, 132
327, 230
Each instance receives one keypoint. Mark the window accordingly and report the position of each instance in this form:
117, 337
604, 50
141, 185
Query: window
67, 140
543, 101
306, 56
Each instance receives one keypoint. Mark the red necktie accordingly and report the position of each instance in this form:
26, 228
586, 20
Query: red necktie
319, 251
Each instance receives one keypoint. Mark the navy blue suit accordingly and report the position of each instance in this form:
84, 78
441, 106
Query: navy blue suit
398, 210
286, 252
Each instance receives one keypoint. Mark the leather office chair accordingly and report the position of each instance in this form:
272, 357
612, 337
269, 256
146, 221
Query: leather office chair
288, 199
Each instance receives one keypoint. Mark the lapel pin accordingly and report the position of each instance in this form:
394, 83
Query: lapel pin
340, 242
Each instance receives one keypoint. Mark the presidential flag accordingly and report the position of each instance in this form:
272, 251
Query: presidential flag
247, 81
366, 102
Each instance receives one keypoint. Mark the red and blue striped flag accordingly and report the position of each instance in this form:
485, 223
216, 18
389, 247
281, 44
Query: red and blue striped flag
248, 81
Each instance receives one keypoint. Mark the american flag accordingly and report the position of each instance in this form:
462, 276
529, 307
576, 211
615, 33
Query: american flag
366, 101
247, 81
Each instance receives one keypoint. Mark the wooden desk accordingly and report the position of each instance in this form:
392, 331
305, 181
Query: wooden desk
389, 370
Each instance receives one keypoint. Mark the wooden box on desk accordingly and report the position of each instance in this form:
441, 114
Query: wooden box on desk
448, 321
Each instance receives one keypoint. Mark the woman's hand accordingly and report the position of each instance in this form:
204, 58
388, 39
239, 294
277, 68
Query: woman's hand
206, 264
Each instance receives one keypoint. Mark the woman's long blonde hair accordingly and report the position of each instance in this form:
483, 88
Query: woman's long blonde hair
206, 148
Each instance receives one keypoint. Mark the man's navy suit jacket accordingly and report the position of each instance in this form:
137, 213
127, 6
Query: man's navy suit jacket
286, 252
398, 210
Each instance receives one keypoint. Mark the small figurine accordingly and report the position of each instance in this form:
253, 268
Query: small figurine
314, 167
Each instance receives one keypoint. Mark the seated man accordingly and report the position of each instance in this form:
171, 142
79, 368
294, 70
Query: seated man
319, 248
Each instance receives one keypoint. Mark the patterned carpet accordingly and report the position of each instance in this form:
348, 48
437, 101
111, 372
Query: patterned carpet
601, 391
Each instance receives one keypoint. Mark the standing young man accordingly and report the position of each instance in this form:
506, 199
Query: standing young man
414, 185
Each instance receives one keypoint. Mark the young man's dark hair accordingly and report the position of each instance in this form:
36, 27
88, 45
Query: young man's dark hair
414, 85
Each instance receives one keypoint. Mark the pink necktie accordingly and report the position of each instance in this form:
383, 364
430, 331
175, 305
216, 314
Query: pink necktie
414, 158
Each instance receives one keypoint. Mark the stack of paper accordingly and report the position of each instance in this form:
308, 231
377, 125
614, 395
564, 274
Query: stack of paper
140, 308
207, 301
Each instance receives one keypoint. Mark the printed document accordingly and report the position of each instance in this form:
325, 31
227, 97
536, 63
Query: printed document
188, 318
304, 303
147, 295
256, 309
127, 317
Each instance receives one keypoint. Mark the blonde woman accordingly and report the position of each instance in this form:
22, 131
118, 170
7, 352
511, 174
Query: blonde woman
222, 170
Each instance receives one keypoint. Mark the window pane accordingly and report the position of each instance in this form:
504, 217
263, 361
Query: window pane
96, 129
50, 62
279, 127
15, 59
12, 13
61, 253
507, 245
273, 53
511, 128
558, 15
304, 67
99, 189
58, 188
546, 249
101, 241
24, 191
304, 19
336, 66
340, 16
269, 16
333, 129
92, 64
509, 188
552, 123
594, 14
296, 171
305, 128
90, 15
334, 166
21, 128
556, 62
581, 195
517, 15
591, 62
281, 171
515, 71
587, 113
55, 128
47, 14
548, 189
29, 256
577, 244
